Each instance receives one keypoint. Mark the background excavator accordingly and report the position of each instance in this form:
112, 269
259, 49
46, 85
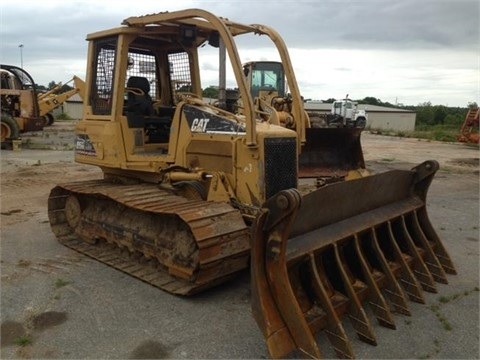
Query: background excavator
469, 131
193, 193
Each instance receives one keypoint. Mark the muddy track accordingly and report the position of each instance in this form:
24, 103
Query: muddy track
181, 246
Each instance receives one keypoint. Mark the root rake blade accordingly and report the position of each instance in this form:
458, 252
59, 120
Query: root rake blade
313, 264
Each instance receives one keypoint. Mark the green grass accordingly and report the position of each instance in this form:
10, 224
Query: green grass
437, 311
435, 132
23, 340
446, 133
61, 283
63, 116
435, 308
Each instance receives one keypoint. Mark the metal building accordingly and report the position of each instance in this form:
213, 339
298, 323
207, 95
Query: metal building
73, 107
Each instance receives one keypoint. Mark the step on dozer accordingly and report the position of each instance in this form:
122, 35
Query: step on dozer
312, 263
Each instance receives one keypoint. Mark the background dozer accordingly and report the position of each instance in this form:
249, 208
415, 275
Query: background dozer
329, 154
193, 193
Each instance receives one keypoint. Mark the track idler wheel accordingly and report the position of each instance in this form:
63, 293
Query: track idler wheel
73, 211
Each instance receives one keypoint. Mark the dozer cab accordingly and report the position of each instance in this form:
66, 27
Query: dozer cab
193, 193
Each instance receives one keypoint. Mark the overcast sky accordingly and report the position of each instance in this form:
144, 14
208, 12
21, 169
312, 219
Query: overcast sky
400, 51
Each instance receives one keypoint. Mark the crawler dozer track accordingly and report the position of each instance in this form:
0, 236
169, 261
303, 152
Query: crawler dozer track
313, 263
181, 246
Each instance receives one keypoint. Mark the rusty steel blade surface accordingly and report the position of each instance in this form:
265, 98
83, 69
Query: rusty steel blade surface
318, 258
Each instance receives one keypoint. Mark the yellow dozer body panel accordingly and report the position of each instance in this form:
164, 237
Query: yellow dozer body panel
194, 192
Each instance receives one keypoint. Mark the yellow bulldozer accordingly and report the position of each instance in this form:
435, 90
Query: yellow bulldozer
193, 193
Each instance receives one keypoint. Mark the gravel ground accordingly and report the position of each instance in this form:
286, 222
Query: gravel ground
56, 303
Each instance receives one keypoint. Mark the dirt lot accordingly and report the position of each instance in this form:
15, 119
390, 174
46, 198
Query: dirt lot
56, 303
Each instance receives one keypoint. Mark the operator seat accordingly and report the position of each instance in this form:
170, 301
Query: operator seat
141, 113
139, 104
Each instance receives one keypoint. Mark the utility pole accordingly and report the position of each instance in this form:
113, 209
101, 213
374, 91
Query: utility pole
21, 55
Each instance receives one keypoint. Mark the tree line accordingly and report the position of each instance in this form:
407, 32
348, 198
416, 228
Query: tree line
427, 113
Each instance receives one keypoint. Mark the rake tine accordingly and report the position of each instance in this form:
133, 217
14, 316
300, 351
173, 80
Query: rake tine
408, 280
392, 288
376, 300
438, 247
357, 315
419, 268
278, 277
431, 259
265, 311
291, 312
335, 331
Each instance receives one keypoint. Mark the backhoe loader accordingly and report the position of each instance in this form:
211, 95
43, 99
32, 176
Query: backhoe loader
23, 109
55, 97
193, 193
